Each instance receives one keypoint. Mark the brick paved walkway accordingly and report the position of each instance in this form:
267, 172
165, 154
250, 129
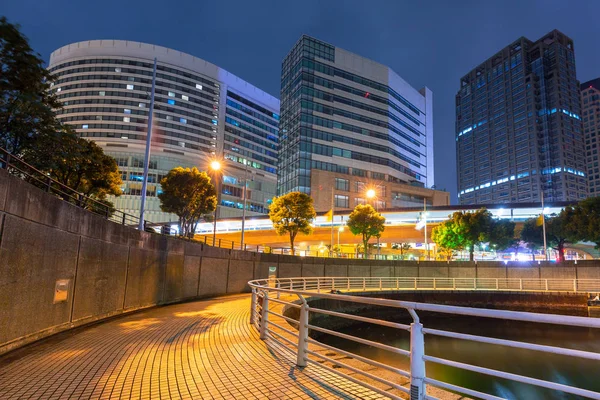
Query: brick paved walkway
200, 350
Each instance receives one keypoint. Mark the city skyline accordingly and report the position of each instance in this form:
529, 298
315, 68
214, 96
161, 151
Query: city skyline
451, 41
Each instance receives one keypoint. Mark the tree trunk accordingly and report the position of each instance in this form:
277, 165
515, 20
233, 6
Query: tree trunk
471, 252
366, 247
292, 237
561, 250
532, 254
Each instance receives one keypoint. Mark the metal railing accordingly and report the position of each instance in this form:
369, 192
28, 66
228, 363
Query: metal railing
272, 297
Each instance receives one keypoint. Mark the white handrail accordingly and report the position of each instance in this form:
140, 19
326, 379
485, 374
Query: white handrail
327, 288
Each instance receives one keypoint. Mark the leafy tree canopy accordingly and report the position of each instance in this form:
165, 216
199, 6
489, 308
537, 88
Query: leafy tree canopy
190, 195
586, 220
365, 221
26, 102
292, 213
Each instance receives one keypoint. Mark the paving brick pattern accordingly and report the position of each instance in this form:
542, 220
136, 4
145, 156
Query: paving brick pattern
199, 350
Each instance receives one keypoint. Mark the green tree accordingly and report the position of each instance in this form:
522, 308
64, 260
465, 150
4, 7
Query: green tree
532, 234
26, 102
502, 234
77, 163
403, 247
292, 213
561, 229
586, 220
465, 230
365, 221
189, 194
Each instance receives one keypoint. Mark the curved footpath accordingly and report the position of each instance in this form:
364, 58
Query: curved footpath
199, 350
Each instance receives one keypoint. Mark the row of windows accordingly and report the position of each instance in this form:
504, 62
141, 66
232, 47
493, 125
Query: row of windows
332, 71
235, 141
252, 121
253, 113
147, 65
329, 151
250, 154
317, 80
158, 140
319, 49
241, 134
332, 137
249, 128
244, 161
356, 104
252, 104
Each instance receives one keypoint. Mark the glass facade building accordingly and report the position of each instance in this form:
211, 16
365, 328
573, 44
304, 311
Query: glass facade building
590, 106
519, 127
349, 123
201, 113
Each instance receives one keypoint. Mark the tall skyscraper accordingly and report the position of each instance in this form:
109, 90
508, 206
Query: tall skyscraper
518, 125
349, 124
590, 107
202, 112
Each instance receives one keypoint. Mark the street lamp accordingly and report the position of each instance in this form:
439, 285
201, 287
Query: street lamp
216, 167
371, 194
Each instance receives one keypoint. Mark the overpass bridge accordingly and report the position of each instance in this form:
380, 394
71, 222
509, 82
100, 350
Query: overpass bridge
400, 226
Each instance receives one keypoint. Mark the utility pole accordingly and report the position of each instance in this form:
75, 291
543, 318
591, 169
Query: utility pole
147, 156
425, 221
244, 210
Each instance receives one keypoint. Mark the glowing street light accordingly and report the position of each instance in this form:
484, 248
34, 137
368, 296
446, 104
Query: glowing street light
371, 193
216, 167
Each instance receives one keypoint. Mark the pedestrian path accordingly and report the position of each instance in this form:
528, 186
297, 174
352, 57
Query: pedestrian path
198, 350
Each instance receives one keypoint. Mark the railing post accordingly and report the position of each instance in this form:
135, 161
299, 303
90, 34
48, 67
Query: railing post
252, 306
397, 284
49, 185
497, 288
415, 283
454, 283
546, 282
575, 285
380, 284
318, 285
264, 320
364, 284
304, 284
521, 284
434, 284
332, 283
347, 283
219, 242
474, 283
417, 364
278, 286
302, 336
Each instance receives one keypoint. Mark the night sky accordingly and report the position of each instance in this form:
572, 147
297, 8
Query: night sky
428, 43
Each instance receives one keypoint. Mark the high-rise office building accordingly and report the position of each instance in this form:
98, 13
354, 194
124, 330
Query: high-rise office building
349, 124
201, 112
518, 125
590, 115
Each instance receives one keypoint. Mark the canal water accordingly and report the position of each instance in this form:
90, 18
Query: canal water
577, 372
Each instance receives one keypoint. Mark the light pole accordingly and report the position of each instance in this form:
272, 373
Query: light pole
148, 144
215, 166
244, 201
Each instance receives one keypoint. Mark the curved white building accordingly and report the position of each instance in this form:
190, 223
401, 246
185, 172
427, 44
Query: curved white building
201, 112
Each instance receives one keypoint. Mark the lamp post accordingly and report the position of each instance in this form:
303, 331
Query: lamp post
244, 201
215, 166
340, 230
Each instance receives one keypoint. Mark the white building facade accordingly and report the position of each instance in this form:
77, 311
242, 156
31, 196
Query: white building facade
201, 113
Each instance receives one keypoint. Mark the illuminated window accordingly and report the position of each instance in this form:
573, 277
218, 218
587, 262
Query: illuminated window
171, 94
183, 120
198, 86
184, 97
169, 117
341, 201
102, 93
129, 87
142, 105
84, 126
127, 111
117, 69
58, 90
126, 119
171, 102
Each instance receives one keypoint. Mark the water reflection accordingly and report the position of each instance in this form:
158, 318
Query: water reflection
556, 368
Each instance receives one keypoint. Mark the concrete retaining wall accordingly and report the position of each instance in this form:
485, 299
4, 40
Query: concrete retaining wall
108, 269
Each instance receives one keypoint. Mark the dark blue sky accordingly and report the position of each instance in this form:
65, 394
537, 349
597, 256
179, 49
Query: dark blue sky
428, 43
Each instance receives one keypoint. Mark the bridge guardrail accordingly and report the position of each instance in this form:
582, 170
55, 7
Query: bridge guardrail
294, 337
